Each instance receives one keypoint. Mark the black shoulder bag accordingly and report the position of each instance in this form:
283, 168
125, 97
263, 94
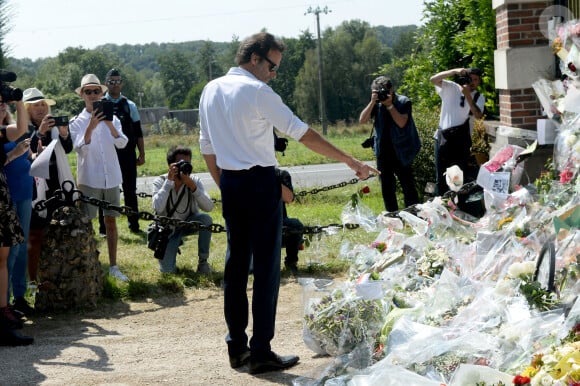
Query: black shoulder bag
158, 235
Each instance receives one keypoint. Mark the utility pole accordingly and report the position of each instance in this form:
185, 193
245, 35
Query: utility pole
317, 12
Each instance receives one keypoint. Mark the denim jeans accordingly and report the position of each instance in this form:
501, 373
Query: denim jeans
167, 264
18, 257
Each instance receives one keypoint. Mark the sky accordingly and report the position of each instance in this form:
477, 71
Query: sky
43, 28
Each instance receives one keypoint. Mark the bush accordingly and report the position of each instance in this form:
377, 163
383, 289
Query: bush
426, 120
171, 126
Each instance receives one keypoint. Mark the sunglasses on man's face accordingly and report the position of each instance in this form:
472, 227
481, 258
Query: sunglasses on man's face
95, 91
273, 66
114, 82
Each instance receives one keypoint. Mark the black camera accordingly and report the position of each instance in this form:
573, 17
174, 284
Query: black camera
280, 144
464, 79
9, 94
61, 120
184, 167
369, 142
383, 94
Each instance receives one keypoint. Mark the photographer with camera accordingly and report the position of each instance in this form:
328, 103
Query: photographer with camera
460, 103
396, 141
180, 195
95, 139
50, 172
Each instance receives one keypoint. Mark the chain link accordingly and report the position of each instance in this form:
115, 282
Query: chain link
66, 196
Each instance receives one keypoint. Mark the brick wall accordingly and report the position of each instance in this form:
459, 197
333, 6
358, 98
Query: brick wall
519, 108
517, 27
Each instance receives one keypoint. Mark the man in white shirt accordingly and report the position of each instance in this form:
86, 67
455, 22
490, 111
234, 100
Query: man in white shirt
238, 113
460, 103
95, 139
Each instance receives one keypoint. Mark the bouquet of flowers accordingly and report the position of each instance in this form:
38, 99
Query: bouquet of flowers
432, 262
558, 366
355, 212
340, 321
537, 297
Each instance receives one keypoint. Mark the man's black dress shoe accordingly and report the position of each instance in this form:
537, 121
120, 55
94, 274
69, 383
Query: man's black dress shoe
271, 362
239, 360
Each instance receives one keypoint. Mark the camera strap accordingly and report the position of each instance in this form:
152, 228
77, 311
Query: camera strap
170, 211
475, 98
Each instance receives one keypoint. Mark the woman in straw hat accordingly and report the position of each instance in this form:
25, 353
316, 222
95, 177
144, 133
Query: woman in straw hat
49, 172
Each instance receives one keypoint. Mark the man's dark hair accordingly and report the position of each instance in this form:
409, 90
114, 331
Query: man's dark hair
112, 72
259, 44
381, 82
475, 71
174, 151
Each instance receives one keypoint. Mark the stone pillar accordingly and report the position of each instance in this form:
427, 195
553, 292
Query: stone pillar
523, 56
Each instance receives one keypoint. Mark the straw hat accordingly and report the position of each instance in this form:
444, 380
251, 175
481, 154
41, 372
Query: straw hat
34, 95
90, 80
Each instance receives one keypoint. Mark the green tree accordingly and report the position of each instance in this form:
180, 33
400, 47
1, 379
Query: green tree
178, 75
5, 27
456, 33
292, 62
206, 62
351, 54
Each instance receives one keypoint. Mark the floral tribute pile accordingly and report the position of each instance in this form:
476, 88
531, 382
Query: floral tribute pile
437, 297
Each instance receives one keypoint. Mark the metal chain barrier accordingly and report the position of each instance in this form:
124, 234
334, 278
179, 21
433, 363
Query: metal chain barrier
299, 194
66, 196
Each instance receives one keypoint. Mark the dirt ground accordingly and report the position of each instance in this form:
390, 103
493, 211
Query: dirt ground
172, 340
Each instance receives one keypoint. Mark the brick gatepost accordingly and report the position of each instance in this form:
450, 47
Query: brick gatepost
523, 56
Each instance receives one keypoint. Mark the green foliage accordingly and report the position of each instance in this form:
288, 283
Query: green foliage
171, 126
456, 33
178, 75
5, 27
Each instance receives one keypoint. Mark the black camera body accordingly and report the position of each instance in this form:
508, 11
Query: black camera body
61, 120
8, 93
369, 142
184, 167
383, 94
280, 144
464, 79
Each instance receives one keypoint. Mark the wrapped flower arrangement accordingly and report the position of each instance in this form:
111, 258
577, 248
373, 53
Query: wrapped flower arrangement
341, 321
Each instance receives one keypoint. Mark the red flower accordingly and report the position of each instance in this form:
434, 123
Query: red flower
566, 176
365, 190
520, 380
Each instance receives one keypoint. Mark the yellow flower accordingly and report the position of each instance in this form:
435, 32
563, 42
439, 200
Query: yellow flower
503, 221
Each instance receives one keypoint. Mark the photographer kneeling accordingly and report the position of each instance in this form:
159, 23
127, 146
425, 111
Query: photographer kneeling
180, 195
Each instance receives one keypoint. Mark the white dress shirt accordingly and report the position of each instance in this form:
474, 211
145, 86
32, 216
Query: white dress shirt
97, 162
237, 115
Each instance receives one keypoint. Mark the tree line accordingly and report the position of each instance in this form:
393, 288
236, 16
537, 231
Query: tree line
455, 33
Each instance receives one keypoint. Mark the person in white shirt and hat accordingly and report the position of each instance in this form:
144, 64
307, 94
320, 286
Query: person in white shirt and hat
42, 130
95, 139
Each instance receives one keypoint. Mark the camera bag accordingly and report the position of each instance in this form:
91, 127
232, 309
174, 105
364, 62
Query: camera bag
158, 235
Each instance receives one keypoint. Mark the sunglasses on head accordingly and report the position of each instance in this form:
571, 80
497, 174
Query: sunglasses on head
95, 91
273, 66
114, 82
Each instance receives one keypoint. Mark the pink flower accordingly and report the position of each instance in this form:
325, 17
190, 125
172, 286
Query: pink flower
499, 159
566, 176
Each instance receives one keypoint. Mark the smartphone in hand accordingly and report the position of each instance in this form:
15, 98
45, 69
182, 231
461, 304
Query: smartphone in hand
106, 107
